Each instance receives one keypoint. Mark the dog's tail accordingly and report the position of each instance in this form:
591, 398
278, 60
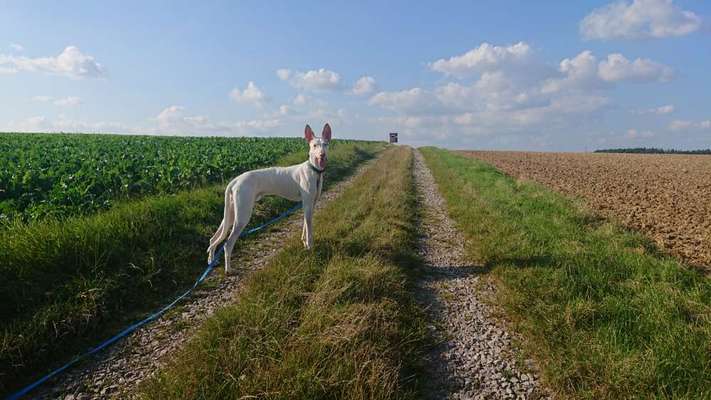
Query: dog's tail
226, 223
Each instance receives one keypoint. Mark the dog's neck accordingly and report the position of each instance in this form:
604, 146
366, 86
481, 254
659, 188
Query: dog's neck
314, 168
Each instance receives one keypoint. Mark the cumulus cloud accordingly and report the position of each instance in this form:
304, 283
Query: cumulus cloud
364, 85
42, 99
283, 74
584, 72
639, 19
174, 120
685, 125
300, 99
482, 58
661, 110
17, 47
496, 93
619, 68
317, 79
637, 134
415, 100
579, 72
250, 94
71, 63
41, 123
69, 101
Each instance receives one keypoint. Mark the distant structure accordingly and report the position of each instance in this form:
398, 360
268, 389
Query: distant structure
393, 137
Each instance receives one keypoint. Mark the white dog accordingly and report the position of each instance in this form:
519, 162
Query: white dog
298, 182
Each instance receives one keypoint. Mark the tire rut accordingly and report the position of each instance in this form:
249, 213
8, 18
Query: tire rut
474, 357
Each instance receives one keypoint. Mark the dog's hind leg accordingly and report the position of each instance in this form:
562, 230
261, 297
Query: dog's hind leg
243, 205
214, 240
227, 221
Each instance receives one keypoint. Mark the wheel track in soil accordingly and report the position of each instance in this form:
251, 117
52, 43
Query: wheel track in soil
115, 372
474, 356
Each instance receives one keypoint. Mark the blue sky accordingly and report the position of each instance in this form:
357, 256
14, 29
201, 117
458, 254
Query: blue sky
488, 75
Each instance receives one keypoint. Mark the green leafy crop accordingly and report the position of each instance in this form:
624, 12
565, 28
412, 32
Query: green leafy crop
61, 175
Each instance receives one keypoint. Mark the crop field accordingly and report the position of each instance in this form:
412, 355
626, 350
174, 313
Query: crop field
663, 196
62, 175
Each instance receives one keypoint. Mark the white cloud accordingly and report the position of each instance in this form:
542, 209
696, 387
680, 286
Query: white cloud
317, 79
584, 72
17, 47
64, 124
69, 101
174, 120
37, 123
580, 72
42, 99
251, 94
284, 109
679, 125
661, 110
71, 63
415, 100
636, 134
364, 85
507, 100
300, 99
483, 58
618, 68
284, 74
685, 125
639, 19
515, 95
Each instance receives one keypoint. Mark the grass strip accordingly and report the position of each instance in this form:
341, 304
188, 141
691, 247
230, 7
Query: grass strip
335, 322
67, 284
605, 314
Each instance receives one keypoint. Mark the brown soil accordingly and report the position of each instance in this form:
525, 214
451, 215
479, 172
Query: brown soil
667, 197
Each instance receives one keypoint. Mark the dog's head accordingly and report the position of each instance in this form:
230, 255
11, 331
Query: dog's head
318, 147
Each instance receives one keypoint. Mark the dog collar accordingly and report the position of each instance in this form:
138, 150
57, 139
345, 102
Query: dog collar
318, 171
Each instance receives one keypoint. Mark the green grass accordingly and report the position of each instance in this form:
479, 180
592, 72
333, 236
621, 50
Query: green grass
67, 284
604, 313
335, 322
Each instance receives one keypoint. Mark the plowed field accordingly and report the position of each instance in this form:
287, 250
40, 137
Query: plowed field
667, 197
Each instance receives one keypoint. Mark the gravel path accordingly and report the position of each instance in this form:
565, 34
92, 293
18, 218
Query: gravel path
474, 357
115, 372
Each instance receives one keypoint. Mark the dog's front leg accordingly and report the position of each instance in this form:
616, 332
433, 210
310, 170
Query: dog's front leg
307, 233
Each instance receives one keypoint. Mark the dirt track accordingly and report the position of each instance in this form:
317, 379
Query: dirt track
667, 197
475, 357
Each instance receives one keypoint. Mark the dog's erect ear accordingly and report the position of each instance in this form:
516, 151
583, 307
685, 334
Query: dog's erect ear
308, 134
326, 135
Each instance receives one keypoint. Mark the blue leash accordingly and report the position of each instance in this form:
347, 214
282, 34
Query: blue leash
149, 318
